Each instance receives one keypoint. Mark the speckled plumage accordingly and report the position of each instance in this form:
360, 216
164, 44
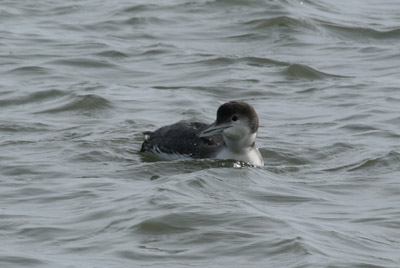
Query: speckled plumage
182, 138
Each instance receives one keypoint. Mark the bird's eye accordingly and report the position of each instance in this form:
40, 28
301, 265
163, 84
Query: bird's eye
235, 118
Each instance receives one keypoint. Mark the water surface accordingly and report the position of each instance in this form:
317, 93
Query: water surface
81, 80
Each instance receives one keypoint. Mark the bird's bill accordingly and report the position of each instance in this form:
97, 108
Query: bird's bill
213, 130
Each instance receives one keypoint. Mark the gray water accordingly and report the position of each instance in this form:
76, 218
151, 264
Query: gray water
81, 80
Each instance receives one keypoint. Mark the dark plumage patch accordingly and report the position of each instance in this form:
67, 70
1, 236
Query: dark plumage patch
182, 138
240, 109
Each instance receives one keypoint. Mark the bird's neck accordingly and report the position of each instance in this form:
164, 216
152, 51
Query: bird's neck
240, 145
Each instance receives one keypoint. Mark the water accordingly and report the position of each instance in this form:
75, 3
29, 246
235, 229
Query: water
81, 80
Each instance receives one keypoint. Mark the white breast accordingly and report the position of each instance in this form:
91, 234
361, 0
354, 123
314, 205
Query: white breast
251, 156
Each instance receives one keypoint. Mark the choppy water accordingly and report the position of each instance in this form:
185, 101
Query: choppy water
81, 80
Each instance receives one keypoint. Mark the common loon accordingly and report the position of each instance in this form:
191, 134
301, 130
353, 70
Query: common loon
231, 136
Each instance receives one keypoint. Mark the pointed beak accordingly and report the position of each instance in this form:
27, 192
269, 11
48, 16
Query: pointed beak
213, 129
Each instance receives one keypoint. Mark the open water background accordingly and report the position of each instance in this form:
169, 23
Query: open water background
81, 80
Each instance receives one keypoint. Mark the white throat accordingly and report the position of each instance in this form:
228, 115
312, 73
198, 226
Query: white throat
240, 145
242, 150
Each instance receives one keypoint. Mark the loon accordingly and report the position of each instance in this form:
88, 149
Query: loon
231, 136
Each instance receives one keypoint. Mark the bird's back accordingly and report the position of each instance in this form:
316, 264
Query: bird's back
182, 139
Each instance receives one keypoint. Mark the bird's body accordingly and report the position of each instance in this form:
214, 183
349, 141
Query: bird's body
181, 140
232, 136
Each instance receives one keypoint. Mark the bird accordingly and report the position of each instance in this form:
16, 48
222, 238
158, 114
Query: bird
231, 136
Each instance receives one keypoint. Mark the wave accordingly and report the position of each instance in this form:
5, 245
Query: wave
358, 127
27, 70
21, 127
227, 61
279, 21
388, 160
361, 33
36, 97
83, 104
111, 54
86, 63
303, 71
137, 8
292, 70
22, 260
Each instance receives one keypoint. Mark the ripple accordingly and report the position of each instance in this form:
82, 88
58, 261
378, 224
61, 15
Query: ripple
236, 2
306, 72
362, 33
157, 49
284, 158
83, 103
141, 21
261, 62
280, 198
21, 261
332, 150
280, 21
95, 156
87, 63
247, 36
42, 234
112, 54
21, 127
391, 159
160, 226
151, 52
31, 70
138, 8
36, 97
227, 61
63, 10
358, 127
220, 61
